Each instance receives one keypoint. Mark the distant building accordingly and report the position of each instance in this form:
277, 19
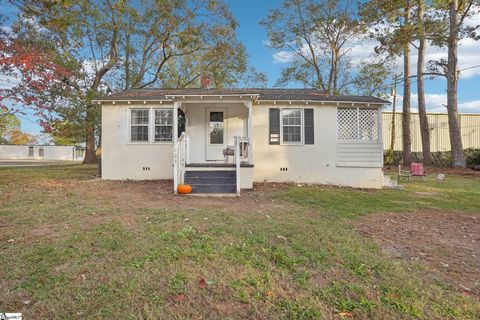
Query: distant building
439, 135
38, 152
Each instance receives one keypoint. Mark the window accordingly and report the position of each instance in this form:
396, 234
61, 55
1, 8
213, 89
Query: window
163, 125
41, 152
139, 121
30, 151
216, 126
357, 124
291, 125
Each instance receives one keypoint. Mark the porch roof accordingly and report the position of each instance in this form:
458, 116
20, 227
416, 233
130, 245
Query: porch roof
260, 94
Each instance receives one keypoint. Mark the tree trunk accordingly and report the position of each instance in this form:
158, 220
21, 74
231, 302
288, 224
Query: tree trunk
90, 156
458, 157
422, 111
394, 110
406, 139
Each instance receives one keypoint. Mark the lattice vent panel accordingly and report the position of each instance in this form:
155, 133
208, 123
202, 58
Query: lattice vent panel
347, 124
368, 125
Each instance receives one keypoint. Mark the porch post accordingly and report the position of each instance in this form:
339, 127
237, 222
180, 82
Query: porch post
249, 105
175, 149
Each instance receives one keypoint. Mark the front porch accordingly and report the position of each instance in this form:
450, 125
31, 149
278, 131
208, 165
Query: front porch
213, 143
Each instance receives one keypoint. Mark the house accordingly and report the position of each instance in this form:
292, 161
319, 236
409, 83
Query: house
224, 140
41, 152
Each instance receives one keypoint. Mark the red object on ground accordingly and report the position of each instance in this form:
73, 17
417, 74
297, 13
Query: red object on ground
417, 169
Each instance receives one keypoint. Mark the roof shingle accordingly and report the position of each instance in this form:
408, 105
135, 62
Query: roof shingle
263, 94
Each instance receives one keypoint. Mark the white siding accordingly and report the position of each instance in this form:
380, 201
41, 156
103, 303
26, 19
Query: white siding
360, 155
315, 163
122, 160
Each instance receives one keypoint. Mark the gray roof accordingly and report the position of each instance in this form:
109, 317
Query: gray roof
263, 94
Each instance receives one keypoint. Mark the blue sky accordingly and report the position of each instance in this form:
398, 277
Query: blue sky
249, 13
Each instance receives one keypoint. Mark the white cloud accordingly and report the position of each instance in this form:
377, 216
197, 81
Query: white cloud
283, 57
361, 49
436, 102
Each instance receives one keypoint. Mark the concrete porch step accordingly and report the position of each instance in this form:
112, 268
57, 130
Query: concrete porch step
210, 174
214, 188
211, 182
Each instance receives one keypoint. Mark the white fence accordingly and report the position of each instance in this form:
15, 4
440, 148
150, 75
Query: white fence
439, 135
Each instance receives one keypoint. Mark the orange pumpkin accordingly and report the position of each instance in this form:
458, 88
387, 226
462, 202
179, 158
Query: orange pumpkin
184, 188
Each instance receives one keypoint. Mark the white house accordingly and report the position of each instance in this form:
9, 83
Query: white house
41, 152
224, 140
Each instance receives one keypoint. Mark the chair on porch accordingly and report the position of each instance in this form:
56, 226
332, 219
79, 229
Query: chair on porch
227, 152
230, 151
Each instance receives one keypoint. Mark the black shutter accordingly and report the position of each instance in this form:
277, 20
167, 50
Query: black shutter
308, 122
274, 128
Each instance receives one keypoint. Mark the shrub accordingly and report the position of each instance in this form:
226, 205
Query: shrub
473, 157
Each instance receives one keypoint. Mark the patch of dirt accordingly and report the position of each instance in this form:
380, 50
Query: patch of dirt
159, 194
130, 196
324, 277
447, 243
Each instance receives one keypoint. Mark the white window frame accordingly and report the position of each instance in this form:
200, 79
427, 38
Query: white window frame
302, 127
129, 126
379, 119
152, 129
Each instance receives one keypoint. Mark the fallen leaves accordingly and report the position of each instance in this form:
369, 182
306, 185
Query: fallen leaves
346, 314
202, 284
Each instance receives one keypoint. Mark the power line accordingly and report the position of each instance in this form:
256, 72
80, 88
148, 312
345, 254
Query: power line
432, 75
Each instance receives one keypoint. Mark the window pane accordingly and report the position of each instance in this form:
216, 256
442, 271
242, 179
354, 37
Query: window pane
164, 116
347, 123
292, 117
216, 116
163, 133
368, 124
216, 133
139, 133
292, 125
292, 133
139, 116
216, 127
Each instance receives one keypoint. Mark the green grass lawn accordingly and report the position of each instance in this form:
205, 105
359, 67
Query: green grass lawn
84, 249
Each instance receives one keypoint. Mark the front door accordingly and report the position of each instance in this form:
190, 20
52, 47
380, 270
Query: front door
216, 133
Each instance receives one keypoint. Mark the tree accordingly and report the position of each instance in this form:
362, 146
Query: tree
7, 124
28, 72
129, 44
371, 79
422, 110
17, 137
406, 116
455, 11
316, 34
457, 14
392, 27
430, 27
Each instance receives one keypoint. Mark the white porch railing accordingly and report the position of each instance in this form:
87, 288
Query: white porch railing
179, 159
242, 155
